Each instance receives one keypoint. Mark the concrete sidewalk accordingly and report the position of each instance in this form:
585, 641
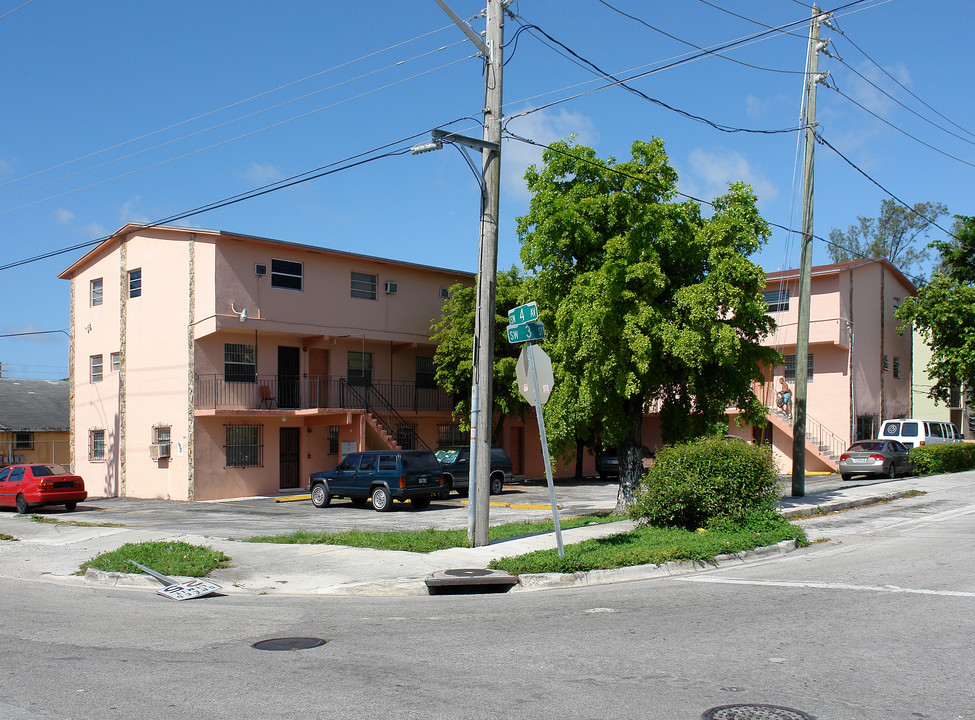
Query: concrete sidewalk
53, 552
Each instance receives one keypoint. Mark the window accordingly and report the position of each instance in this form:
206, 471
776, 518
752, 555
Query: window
363, 286
886, 363
286, 274
24, 441
388, 463
160, 435
790, 368
368, 463
239, 363
333, 439
244, 447
95, 361
865, 425
406, 436
778, 300
897, 367
96, 445
135, 283
425, 372
96, 292
116, 361
897, 303
359, 368
451, 434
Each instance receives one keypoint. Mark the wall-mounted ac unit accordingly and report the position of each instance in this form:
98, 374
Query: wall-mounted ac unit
392, 288
260, 270
158, 451
444, 293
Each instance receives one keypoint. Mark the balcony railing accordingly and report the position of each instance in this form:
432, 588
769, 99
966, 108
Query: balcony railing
275, 392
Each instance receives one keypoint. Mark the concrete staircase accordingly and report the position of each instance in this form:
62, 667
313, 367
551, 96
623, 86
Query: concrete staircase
821, 443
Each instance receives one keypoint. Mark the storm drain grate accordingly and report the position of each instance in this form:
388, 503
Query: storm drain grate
754, 712
289, 643
469, 581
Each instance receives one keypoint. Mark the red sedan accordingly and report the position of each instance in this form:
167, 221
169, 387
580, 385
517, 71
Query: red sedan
22, 486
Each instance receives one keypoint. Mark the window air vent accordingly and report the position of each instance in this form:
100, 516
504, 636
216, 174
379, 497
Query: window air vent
392, 288
260, 270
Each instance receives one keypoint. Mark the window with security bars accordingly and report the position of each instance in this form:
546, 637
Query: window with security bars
96, 445
333, 439
363, 286
239, 362
778, 300
24, 441
865, 427
451, 434
244, 446
790, 368
897, 367
406, 436
359, 366
425, 373
286, 274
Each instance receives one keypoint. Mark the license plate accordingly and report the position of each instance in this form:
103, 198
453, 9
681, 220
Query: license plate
862, 460
422, 481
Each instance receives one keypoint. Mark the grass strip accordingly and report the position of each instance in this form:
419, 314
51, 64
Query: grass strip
425, 541
168, 558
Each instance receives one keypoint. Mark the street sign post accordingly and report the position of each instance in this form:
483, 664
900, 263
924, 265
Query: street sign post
523, 313
526, 331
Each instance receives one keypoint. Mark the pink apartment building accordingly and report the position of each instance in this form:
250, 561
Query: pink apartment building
859, 366
207, 364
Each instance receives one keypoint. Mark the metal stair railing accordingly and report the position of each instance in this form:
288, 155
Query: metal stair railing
383, 416
825, 439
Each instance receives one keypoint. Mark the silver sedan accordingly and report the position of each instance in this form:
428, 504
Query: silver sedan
883, 458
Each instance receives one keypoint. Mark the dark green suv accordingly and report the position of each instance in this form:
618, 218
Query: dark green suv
382, 476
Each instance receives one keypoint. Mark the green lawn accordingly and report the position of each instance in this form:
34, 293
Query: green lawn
168, 558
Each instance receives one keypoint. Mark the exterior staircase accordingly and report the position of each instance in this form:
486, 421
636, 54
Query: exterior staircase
821, 442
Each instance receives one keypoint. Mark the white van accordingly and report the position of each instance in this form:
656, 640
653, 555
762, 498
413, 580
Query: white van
911, 432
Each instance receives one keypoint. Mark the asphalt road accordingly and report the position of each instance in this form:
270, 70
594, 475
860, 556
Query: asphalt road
874, 621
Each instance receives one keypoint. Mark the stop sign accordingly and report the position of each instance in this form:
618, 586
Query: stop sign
543, 371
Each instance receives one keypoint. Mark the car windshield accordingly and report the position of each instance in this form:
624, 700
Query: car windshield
48, 470
421, 461
866, 447
447, 456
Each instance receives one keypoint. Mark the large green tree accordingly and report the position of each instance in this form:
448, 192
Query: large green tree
454, 335
648, 304
893, 235
944, 313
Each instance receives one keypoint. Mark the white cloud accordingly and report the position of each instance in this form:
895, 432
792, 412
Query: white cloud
258, 174
130, 212
64, 217
542, 127
712, 171
5, 167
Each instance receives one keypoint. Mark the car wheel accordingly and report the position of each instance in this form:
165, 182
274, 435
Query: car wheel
359, 501
320, 496
497, 484
447, 485
70, 506
420, 502
22, 506
847, 477
381, 500
892, 472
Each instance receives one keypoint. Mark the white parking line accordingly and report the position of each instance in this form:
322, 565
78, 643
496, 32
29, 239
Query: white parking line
825, 586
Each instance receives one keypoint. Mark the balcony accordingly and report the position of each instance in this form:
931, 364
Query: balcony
274, 392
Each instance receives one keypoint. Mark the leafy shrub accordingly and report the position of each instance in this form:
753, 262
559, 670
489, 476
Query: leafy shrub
934, 459
693, 484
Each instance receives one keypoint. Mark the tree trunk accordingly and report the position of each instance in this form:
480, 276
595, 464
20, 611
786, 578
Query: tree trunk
580, 449
630, 455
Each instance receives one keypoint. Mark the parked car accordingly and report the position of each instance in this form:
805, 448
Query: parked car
884, 458
608, 466
382, 476
456, 464
912, 431
35, 485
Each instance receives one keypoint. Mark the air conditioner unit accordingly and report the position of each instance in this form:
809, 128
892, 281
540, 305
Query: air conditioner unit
158, 451
260, 270
392, 288
444, 293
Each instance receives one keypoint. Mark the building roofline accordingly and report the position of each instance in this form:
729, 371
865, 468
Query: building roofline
115, 238
837, 268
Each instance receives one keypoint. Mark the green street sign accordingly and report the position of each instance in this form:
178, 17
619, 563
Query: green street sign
526, 331
523, 313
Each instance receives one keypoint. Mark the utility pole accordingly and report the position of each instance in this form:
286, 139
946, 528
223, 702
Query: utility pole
805, 269
482, 396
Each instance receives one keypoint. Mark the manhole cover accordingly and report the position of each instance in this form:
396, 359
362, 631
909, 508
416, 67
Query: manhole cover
290, 643
469, 572
754, 712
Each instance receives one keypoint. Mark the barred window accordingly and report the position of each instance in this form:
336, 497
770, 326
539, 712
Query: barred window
96, 445
244, 446
286, 274
96, 292
897, 367
363, 286
778, 300
95, 363
790, 368
425, 373
406, 436
359, 368
333, 439
24, 441
239, 363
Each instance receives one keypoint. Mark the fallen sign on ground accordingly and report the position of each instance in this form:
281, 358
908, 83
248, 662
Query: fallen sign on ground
179, 591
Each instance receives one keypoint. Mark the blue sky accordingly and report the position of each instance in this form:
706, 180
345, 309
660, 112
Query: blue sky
116, 112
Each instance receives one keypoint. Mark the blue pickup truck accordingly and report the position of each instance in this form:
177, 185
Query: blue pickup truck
382, 476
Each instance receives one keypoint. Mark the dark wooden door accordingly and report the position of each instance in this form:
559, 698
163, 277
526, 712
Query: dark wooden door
288, 453
288, 369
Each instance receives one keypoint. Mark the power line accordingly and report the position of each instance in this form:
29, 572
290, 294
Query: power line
11, 12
